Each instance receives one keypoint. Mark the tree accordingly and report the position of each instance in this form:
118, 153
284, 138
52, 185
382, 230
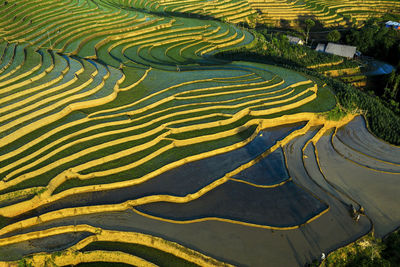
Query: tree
309, 24
334, 36
392, 250
392, 86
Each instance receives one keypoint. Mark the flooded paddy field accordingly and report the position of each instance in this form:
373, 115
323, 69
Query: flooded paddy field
371, 181
236, 243
283, 206
357, 137
229, 221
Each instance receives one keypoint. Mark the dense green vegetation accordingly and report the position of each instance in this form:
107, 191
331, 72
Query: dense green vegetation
368, 252
383, 122
376, 40
334, 36
391, 91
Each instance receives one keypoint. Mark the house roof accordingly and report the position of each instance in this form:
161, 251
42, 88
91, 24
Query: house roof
392, 23
293, 39
341, 50
320, 47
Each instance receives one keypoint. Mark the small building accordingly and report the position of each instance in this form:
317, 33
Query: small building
295, 40
320, 47
337, 49
393, 25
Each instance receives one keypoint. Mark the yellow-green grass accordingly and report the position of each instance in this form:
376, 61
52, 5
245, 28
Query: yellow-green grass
328, 13
130, 159
159, 113
222, 97
129, 96
231, 11
78, 32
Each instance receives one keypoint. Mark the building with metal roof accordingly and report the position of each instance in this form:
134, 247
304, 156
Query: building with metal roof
295, 40
337, 49
320, 47
393, 24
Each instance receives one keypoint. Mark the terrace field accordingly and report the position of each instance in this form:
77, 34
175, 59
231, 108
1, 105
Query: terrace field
124, 141
326, 12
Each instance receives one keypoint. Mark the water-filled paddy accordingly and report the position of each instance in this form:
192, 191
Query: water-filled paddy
356, 135
285, 205
376, 191
269, 170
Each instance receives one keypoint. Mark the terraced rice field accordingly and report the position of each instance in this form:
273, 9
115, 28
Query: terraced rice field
234, 11
326, 12
123, 141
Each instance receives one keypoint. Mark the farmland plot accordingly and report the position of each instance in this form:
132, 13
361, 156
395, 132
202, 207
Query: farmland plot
123, 141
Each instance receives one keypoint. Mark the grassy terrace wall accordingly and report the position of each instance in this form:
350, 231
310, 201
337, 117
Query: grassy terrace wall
328, 13
331, 70
101, 96
228, 10
113, 33
71, 124
276, 12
